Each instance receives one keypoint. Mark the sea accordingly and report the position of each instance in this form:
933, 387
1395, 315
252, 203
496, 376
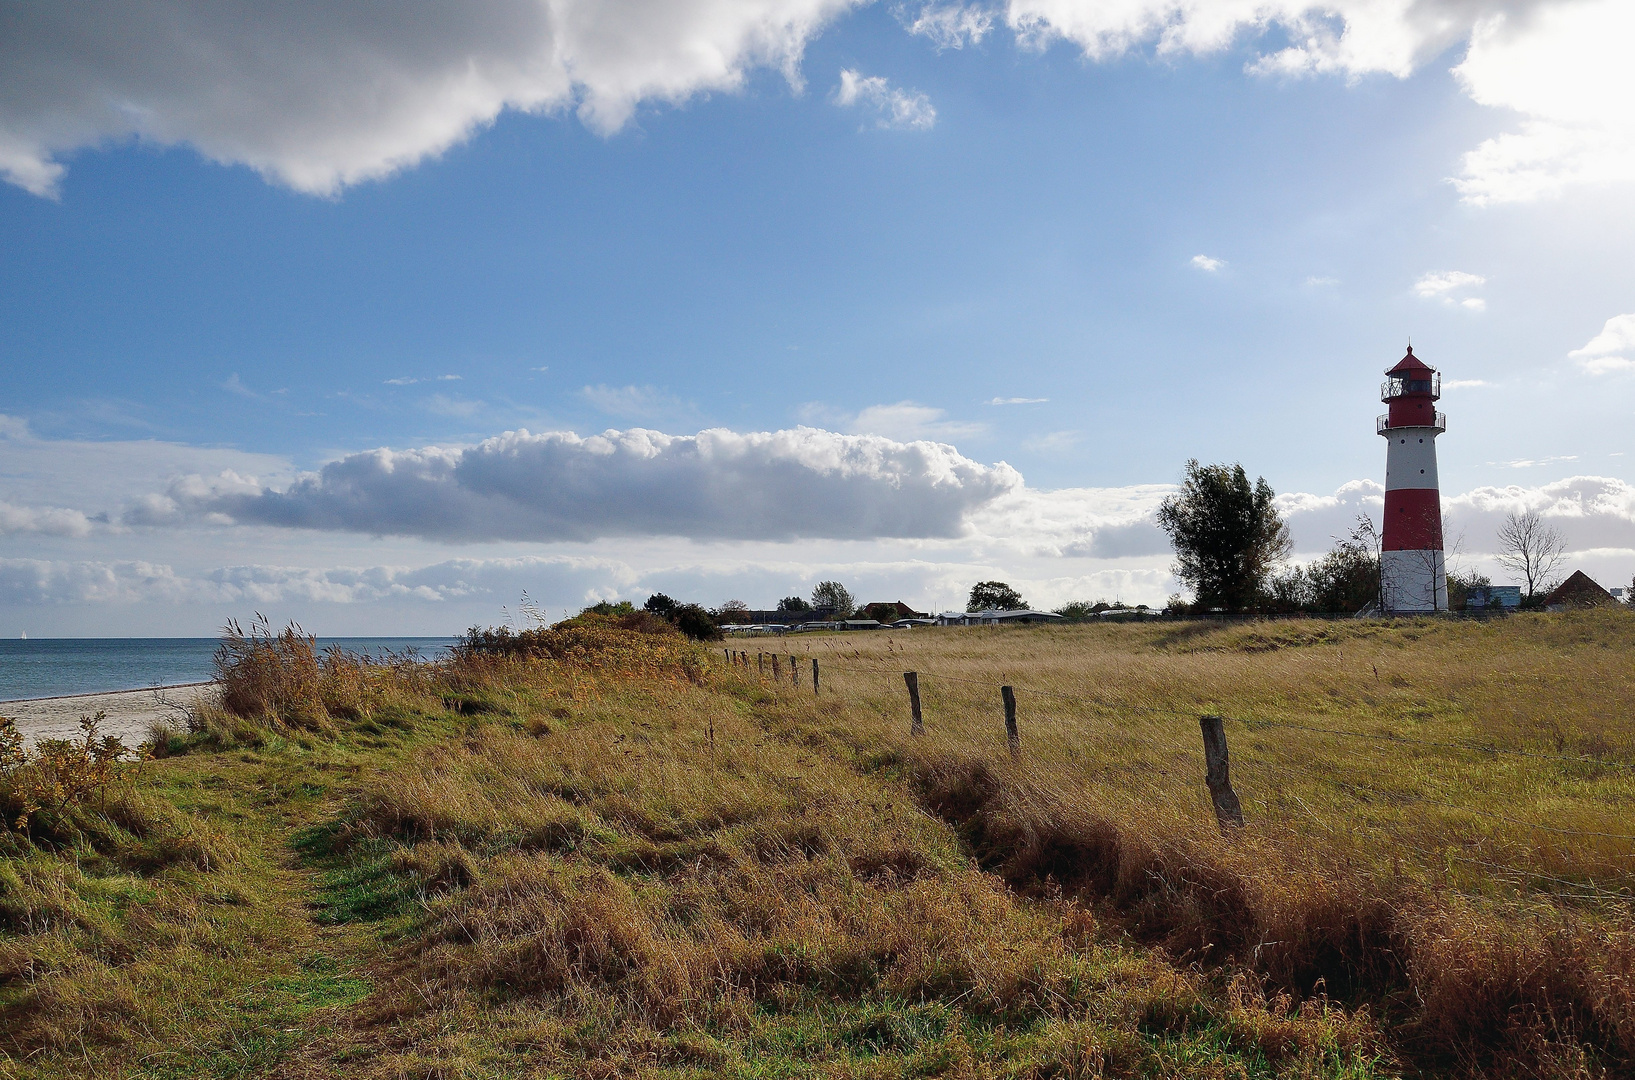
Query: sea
50, 667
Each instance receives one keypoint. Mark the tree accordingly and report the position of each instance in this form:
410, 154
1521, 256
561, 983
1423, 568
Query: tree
695, 622
793, 603
1227, 534
660, 605
731, 611
994, 596
1532, 550
832, 594
1347, 579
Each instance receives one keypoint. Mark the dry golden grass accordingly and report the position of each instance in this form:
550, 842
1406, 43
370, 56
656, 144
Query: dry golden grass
609, 853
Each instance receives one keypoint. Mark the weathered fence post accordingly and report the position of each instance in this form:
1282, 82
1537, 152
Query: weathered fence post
760, 663
1228, 811
777, 672
814, 675
916, 726
727, 654
1012, 736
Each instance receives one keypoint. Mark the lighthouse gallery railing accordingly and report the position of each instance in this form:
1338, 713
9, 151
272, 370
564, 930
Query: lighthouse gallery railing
1395, 387
1383, 423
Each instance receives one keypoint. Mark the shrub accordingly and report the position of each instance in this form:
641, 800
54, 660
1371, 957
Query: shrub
57, 773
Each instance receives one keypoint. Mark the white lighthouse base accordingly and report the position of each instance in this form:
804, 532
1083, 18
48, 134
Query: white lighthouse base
1413, 582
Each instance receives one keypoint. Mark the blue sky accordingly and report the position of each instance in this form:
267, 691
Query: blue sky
1073, 251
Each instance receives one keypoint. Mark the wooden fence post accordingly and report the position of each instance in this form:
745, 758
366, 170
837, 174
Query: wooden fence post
760, 663
1012, 736
777, 672
814, 675
1228, 811
916, 726
727, 653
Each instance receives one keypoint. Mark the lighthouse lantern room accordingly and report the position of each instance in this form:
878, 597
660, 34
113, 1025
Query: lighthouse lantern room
1413, 571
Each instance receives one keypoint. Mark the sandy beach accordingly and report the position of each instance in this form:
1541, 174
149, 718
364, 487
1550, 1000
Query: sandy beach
129, 712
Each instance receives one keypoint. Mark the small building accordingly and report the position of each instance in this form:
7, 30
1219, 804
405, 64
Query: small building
996, 617
888, 612
1577, 593
1493, 597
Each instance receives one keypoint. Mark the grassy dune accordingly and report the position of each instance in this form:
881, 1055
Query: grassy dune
625, 857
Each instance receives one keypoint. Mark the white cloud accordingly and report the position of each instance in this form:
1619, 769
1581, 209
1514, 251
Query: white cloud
893, 108
911, 420
1436, 286
459, 408
1207, 264
634, 402
1321, 282
1464, 384
949, 26
407, 381
1528, 463
1052, 442
42, 520
95, 477
1018, 401
1612, 350
321, 96
1446, 287
1565, 68
1562, 65
558, 486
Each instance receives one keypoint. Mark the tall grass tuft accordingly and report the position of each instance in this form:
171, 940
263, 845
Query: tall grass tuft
271, 676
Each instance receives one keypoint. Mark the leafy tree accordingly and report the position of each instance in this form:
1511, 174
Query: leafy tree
994, 596
1460, 586
1078, 609
1532, 550
1227, 534
660, 605
793, 603
731, 611
832, 594
695, 622
611, 607
1347, 579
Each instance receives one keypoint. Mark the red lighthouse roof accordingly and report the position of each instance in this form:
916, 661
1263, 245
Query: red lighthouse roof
1409, 365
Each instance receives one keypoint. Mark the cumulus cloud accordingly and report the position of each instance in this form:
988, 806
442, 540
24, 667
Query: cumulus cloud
320, 96
948, 26
1207, 264
902, 110
558, 486
25, 582
1565, 67
1562, 65
1612, 350
1018, 401
42, 521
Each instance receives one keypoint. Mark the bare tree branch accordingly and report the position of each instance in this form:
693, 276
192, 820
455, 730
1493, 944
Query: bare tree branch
1532, 550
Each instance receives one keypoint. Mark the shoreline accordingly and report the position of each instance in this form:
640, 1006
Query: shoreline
129, 715
105, 693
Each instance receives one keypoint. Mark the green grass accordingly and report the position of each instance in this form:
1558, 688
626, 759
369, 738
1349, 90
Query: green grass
554, 870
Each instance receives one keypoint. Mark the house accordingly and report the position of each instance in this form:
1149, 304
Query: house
995, 617
1489, 597
888, 612
1576, 593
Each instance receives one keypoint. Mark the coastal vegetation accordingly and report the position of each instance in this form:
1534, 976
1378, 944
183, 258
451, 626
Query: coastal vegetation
598, 848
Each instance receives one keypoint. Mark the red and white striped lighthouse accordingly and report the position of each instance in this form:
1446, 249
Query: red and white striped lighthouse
1413, 573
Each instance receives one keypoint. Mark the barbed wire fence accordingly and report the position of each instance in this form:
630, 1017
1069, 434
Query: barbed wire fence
1162, 755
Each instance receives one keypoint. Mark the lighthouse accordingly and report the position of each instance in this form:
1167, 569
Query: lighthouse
1413, 572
